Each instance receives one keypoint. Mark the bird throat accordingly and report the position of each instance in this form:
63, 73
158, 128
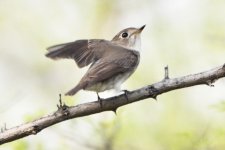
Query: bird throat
134, 43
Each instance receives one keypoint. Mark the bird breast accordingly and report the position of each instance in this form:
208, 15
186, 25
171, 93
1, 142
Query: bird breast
112, 83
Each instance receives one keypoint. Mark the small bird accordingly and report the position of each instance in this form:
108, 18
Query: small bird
112, 62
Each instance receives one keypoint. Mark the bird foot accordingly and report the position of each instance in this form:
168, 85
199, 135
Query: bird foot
100, 100
126, 92
62, 107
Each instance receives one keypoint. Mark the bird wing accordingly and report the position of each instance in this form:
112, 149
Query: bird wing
110, 66
84, 52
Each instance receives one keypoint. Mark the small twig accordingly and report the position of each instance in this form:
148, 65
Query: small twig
166, 72
3, 128
60, 102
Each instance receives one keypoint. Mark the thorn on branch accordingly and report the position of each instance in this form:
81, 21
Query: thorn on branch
3, 128
153, 92
60, 101
210, 82
155, 97
114, 110
36, 129
166, 72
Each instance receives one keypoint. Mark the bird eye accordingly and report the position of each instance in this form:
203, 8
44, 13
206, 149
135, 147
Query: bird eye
124, 34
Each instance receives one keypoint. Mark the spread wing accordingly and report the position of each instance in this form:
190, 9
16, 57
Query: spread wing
117, 62
84, 52
106, 68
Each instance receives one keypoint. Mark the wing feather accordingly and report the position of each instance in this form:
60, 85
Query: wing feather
107, 58
105, 69
83, 52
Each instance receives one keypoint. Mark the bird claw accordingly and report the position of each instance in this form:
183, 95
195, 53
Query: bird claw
100, 100
126, 92
62, 107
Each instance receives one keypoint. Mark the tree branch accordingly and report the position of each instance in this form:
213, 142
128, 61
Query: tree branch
111, 104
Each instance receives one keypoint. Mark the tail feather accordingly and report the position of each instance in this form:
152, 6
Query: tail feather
74, 90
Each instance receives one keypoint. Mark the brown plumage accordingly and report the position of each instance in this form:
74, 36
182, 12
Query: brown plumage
112, 62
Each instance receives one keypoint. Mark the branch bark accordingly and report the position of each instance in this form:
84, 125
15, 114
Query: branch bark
111, 104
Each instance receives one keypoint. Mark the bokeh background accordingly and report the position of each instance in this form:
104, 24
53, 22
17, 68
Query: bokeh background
186, 35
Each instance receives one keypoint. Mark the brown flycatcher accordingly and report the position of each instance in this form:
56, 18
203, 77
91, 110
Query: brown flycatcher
112, 62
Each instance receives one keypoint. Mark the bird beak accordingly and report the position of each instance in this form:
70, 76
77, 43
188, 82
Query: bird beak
141, 28
138, 31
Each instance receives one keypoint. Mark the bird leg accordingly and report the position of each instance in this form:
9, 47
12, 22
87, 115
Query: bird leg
62, 107
99, 99
126, 92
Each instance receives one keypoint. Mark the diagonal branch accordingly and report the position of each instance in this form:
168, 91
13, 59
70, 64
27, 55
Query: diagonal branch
111, 104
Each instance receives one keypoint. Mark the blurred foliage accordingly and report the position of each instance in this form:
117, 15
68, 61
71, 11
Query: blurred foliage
37, 114
219, 106
20, 145
186, 35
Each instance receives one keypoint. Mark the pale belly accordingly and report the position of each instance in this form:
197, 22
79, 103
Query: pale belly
113, 83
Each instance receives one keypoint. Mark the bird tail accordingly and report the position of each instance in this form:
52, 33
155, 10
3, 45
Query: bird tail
74, 90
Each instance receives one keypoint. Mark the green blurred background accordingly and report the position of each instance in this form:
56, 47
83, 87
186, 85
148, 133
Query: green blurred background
186, 35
